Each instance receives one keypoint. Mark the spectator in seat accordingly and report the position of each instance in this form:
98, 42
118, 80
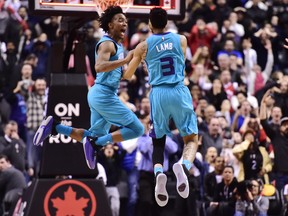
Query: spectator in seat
276, 115
14, 147
229, 48
10, 179
202, 56
41, 48
281, 97
223, 203
212, 137
217, 94
230, 87
254, 159
279, 140
111, 158
201, 35
35, 112
209, 113
245, 110
257, 78
231, 24
212, 179
209, 159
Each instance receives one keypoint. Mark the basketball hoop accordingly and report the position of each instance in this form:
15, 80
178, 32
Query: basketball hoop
101, 5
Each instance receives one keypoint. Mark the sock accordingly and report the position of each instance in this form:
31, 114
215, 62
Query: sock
86, 133
187, 164
63, 129
104, 140
158, 169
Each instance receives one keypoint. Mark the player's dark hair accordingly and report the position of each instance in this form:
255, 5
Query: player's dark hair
158, 17
108, 15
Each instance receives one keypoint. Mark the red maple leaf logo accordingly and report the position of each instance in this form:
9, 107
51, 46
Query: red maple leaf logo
70, 206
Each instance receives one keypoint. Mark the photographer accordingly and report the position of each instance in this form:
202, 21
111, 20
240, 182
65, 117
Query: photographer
249, 200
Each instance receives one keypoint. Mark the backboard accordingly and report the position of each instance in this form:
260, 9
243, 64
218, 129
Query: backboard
84, 8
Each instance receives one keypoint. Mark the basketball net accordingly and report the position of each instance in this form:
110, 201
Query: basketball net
102, 5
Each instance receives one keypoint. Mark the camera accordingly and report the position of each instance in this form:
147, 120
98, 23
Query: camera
227, 133
242, 188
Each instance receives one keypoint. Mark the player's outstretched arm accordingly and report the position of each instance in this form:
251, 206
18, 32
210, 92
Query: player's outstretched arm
138, 56
105, 51
183, 41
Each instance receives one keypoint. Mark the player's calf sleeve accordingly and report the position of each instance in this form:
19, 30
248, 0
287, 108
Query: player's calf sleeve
158, 150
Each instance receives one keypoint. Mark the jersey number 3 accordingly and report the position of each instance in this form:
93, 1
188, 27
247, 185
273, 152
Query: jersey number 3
167, 66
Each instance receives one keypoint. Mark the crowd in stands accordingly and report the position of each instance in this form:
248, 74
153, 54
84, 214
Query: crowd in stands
237, 73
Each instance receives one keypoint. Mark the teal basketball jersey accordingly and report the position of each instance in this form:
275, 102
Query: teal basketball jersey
164, 59
113, 77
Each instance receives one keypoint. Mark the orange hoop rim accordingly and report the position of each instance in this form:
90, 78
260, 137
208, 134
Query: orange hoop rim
125, 4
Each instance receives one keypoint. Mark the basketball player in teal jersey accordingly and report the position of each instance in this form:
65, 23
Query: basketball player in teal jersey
164, 54
106, 108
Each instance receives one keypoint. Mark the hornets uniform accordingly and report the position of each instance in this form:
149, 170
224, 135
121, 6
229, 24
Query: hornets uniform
105, 106
169, 97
